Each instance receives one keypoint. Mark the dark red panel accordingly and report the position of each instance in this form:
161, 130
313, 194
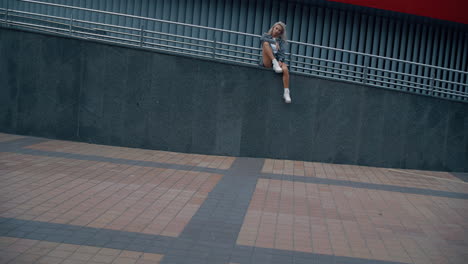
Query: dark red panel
451, 10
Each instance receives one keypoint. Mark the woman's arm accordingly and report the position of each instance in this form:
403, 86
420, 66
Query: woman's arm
281, 54
267, 38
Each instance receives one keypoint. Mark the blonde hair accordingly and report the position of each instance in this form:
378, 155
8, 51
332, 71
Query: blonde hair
283, 34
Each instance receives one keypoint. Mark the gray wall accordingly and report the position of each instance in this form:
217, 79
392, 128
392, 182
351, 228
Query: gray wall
86, 91
326, 23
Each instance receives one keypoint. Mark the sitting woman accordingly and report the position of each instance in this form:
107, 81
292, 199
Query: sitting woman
273, 54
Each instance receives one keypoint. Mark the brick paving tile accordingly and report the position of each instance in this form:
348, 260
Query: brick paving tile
111, 202
220, 162
70, 202
50, 260
103, 258
350, 222
67, 253
8, 137
397, 177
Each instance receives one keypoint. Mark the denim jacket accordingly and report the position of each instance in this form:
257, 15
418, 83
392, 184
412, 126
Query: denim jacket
281, 54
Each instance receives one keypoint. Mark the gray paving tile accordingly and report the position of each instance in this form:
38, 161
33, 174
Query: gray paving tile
17, 146
56, 238
27, 228
17, 233
211, 234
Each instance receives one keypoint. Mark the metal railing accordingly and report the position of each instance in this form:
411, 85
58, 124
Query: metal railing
202, 41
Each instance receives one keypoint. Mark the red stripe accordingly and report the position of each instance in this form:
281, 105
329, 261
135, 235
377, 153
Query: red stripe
451, 10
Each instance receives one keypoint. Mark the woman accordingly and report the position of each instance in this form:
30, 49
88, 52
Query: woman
273, 54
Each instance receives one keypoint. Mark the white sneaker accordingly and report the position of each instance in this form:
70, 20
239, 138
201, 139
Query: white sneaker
287, 97
276, 66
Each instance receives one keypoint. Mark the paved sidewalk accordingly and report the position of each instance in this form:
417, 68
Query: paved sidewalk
69, 202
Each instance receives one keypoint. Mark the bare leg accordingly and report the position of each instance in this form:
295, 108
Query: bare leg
286, 95
267, 54
284, 66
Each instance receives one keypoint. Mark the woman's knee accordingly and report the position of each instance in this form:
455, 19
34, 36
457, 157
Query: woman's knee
266, 49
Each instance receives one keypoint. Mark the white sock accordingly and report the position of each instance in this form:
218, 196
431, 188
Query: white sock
286, 90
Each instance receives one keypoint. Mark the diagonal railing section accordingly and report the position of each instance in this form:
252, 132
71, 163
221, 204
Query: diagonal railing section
220, 44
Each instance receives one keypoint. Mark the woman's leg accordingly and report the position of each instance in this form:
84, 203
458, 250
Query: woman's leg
286, 95
269, 60
284, 66
267, 54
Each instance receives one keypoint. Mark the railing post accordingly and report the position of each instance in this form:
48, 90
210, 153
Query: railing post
366, 71
6, 14
71, 24
142, 30
214, 46
431, 87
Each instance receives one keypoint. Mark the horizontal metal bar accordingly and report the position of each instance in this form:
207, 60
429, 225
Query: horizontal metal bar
451, 82
369, 68
68, 19
178, 36
115, 26
330, 61
139, 17
321, 66
105, 36
399, 73
394, 79
112, 41
329, 67
110, 25
373, 69
428, 91
450, 90
108, 31
417, 76
162, 45
376, 56
77, 26
101, 24
34, 14
241, 33
327, 61
321, 71
174, 47
233, 56
394, 83
237, 51
179, 42
299, 43
239, 46
41, 20
36, 26
236, 61
154, 48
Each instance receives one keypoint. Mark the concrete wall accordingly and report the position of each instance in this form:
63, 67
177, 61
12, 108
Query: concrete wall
80, 90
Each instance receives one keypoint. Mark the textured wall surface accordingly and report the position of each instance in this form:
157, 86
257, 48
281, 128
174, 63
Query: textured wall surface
87, 91
325, 23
